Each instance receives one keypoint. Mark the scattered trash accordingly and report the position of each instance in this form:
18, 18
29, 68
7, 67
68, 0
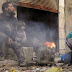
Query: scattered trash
54, 69
6, 71
66, 68
13, 70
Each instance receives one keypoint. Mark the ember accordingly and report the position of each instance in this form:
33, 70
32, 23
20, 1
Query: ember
50, 44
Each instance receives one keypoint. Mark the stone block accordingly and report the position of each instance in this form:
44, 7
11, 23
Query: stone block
62, 33
61, 3
69, 23
27, 52
61, 23
62, 44
1, 2
62, 51
67, 31
68, 3
61, 10
61, 15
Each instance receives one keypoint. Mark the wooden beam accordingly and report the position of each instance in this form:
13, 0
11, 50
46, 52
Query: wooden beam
40, 7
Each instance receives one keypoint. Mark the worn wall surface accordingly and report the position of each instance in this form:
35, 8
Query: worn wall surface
68, 17
1, 2
61, 27
65, 22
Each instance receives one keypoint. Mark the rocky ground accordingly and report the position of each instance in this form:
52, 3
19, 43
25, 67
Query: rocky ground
11, 66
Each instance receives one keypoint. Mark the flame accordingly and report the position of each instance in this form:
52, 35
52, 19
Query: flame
50, 44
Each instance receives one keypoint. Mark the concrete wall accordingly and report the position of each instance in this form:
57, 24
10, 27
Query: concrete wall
61, 27
65, 22
1, 2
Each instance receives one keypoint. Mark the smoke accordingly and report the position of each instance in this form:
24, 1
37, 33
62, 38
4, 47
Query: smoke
41, 26
38, 33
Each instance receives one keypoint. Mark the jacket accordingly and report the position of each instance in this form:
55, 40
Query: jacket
67, 42
7, 24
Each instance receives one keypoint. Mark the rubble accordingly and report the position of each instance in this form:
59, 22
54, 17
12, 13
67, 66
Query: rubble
11, 68
9, 65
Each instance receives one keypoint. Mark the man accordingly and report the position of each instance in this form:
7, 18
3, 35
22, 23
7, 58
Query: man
8, 24
68, 42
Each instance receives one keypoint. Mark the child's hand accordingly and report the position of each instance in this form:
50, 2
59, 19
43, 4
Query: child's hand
10, 41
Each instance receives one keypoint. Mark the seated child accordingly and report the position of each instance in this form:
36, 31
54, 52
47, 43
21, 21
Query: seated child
19, 35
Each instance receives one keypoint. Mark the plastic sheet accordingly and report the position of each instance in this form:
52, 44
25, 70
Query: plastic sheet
54, 69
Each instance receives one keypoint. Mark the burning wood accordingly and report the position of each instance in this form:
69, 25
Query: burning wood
50, 44
46, 52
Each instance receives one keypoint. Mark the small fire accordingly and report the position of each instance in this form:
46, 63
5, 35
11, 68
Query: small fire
50, 44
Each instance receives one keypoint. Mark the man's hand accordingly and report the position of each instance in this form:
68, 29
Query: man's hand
10, 41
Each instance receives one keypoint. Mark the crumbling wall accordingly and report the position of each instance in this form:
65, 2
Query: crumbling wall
61, 27
1, 2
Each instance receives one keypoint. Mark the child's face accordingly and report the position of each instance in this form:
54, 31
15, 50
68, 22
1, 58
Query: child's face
22, 27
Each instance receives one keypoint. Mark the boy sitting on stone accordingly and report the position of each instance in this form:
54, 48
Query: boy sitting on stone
19, 35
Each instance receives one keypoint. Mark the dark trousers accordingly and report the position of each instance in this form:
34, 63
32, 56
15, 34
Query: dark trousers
2, 52
71, 57
16, 48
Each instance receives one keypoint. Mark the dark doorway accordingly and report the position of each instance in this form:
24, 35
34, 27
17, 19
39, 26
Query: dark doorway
41, 25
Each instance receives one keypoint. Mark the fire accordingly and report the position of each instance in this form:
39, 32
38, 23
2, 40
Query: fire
50, 44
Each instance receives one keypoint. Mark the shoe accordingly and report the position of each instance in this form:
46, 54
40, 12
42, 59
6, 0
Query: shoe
22, 64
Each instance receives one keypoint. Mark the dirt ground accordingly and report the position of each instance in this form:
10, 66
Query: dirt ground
12, 66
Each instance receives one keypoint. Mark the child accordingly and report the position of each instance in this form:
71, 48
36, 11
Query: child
19, 35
